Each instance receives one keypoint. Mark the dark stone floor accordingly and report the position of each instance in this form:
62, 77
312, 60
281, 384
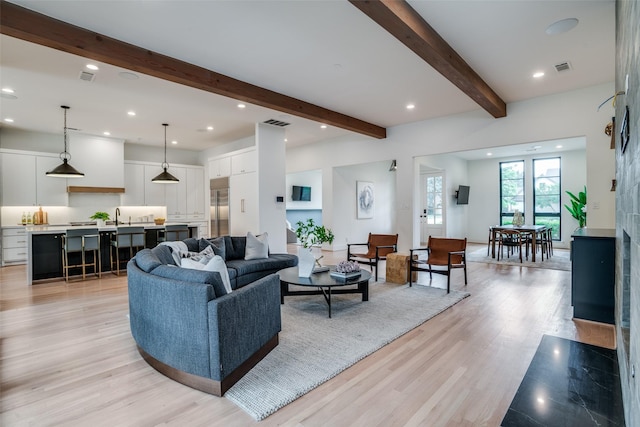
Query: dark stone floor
568, 384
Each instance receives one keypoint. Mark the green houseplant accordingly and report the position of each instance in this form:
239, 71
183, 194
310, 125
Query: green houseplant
100, 215
578, 208
311, 234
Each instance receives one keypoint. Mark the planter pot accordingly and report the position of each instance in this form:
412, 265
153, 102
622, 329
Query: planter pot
100, 223
306, 261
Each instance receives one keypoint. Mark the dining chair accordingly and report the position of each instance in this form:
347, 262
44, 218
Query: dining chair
511, 239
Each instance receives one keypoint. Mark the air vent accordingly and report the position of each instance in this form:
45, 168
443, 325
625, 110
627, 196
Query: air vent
563, 66
276, 123
87, 76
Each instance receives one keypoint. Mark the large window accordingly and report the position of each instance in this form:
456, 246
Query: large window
511, 190
546, 194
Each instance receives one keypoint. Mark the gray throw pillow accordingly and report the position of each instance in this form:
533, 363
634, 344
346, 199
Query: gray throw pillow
257, 246
217, 244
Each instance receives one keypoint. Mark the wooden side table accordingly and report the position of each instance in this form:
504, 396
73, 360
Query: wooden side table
398, 268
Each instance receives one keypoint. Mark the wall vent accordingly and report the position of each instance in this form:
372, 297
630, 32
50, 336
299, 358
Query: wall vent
276, 123
87, 76
563, 66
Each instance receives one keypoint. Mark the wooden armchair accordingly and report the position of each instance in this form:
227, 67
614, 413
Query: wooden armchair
441, 252
378, 247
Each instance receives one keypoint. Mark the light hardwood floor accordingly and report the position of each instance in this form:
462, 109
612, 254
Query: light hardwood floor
68, 359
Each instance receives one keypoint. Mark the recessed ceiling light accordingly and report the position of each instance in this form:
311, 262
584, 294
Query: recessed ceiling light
7, 90
489, 154
537, 147
538, 75
128, 75
92, 67
561, 26
285, 140
323, 126
8, 120
558, 146
209, 127
410, 106
106, 133
131, 113
174, 142
242, 106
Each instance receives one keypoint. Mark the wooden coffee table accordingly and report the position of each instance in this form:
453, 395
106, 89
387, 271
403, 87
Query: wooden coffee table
324, 284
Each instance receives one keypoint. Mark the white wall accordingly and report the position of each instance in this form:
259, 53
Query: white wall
556, 116
350, 229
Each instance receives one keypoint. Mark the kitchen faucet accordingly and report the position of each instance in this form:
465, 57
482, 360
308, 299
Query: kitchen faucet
117, 215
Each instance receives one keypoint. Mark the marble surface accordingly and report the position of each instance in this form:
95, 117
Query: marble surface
568, 384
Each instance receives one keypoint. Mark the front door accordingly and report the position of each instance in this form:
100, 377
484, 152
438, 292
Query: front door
432, 217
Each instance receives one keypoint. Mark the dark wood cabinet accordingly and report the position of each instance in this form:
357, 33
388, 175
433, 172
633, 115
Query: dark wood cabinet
47, 250
593, 253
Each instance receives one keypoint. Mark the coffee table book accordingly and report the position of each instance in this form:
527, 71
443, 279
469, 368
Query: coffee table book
344, 276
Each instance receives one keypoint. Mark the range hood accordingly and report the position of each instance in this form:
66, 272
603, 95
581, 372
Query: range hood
99, 190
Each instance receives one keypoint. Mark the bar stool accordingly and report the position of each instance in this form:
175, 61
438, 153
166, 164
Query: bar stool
127, 240
176, 232
81, 240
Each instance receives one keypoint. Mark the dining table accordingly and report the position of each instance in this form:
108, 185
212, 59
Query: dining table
533, 230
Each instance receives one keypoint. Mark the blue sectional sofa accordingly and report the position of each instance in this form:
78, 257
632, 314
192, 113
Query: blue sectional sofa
190, 329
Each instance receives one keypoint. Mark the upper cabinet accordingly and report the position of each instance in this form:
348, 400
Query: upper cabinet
133, 185
219, 167
244, 162
25, 183
176, 195
154, 194
195, 194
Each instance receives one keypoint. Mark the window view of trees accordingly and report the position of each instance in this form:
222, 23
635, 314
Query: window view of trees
546, 194
511, 190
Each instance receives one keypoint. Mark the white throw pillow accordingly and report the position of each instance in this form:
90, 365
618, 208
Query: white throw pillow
257, 246
217, 264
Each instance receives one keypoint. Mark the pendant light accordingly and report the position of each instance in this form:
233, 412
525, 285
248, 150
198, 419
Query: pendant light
165, 177
65, 170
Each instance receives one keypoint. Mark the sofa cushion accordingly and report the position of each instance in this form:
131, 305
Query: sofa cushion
274, 263
257, 247
192, 244
190, 275
234, 247
217, 244
147, 260
163, 253
215, 264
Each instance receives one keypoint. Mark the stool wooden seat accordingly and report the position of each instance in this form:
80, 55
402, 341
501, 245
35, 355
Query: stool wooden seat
81, 240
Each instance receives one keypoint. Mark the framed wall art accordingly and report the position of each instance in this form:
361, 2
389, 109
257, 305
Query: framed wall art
364, 199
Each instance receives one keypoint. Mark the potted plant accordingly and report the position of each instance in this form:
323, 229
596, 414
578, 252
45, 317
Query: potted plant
101, 218
578, 208
310, 235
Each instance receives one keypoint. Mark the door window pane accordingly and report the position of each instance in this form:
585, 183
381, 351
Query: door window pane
511, 190
546, 194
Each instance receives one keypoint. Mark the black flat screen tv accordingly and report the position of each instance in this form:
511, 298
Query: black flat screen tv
462, 195
301, 194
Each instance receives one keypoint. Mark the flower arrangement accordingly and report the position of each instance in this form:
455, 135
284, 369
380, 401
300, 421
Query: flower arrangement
578, 207
311, 234
347, 267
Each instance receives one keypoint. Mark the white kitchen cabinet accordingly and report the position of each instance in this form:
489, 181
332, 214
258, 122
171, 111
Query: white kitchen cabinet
219, 167
18, 179
243, 203
154, 194
195, 194
50, 191
244, 162
25, 183
176, 195
14, 246
133, 185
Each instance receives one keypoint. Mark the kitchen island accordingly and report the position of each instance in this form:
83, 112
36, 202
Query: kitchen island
44, 246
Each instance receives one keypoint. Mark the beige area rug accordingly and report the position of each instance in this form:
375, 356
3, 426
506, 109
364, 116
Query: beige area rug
314, 348
558, 261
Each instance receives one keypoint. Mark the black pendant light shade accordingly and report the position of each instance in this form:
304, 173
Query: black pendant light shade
165, 177
65, 170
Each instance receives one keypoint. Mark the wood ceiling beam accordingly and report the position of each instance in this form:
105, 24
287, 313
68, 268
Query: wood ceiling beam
404, 23
25, 24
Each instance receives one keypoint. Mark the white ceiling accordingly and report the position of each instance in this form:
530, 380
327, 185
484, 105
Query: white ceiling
324, 52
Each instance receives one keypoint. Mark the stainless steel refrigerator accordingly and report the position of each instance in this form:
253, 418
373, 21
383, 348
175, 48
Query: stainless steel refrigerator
219, 207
